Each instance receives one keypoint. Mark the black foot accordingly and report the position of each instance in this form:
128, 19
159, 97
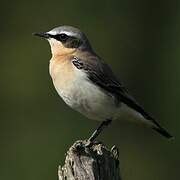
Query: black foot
99, 130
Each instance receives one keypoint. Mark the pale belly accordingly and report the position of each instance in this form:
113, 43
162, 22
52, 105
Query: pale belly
89, 100
85, 97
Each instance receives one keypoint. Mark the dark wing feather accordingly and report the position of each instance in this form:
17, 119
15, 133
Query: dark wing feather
101, 74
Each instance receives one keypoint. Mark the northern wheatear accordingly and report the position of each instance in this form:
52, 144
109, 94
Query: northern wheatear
88, 85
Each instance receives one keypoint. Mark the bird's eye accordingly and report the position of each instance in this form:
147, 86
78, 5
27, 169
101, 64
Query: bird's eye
63, 37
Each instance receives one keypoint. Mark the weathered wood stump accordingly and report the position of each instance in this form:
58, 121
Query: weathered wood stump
92, 162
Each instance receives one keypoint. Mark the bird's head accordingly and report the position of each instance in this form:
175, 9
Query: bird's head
65, 40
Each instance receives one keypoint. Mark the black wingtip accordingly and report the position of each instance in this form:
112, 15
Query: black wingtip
164, 133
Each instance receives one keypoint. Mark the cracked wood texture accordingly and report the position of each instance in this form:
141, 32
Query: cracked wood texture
90, 162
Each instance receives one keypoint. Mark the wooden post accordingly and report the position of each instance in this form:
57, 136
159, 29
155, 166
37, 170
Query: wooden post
92, 162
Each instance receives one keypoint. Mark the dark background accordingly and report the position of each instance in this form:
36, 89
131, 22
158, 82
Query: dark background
139, 39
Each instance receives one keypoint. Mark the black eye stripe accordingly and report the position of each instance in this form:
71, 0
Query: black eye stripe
67, 41
63, 36
60, 37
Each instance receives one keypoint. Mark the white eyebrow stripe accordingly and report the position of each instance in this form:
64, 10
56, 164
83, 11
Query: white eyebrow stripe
65, 32
68, 33
52, 32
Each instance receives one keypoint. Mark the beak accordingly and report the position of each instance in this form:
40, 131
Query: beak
42, 34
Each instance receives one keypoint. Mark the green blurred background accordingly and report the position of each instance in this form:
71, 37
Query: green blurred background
139, 39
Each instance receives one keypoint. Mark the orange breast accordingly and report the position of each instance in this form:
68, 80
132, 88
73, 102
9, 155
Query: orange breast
61, 71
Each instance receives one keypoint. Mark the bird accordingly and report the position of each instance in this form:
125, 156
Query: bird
88, 85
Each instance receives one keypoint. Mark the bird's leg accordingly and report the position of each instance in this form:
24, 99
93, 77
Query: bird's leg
99, 130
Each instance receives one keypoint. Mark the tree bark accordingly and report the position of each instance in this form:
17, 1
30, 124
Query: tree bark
90, 162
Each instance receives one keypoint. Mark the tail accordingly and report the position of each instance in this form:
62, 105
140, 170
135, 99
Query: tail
137, 113
157, 127
163, 132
